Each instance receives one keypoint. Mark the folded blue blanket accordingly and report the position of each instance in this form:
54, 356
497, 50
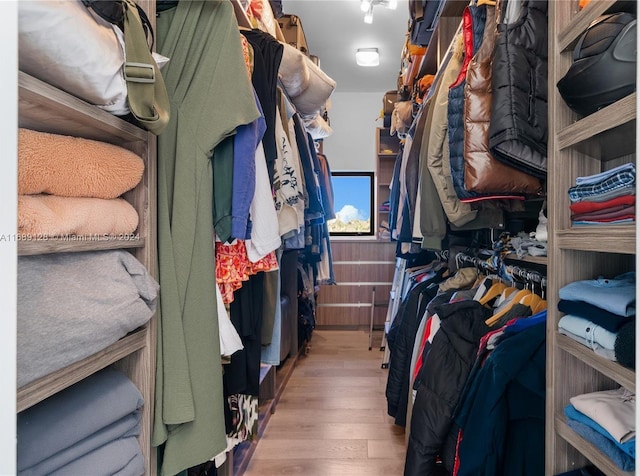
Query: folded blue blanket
628, 447
73, 415
127, 426
619, 458
118, 458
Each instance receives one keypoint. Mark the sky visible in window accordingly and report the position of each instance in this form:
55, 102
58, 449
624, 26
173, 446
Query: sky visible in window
352, 197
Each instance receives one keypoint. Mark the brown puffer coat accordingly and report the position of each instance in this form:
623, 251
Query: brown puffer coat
482, 172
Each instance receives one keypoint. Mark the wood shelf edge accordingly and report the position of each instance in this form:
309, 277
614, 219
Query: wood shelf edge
624, 376
589, 450
34, 92
606, 119
37, 247
583, 18
44, 387
598, 238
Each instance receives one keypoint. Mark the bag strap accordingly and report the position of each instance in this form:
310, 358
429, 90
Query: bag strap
146, 91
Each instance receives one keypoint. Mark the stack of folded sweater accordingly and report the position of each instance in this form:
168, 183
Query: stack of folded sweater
71, 186
88, 428
72, 305
607, 419
605, 198
600, 313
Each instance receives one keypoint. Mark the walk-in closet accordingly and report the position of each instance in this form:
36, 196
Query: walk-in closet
319, 237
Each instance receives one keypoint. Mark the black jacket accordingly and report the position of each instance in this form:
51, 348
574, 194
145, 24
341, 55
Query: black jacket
518, 128
400, 340
441, 380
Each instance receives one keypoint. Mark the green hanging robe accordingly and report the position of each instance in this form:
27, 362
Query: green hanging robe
210, 94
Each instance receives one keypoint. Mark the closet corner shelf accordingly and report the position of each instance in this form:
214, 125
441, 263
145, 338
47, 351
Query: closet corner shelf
570, 34
590, 451
613, 125
605, 238
36, 391
46, 108
38, 247
624, 376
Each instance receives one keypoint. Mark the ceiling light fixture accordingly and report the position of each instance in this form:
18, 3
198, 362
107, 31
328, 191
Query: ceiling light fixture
367, 7
367, 57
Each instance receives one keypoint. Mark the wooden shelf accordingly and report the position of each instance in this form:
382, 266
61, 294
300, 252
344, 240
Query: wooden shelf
45, 108
580, 146
606, 134
38, 247
604, 238
44, 387
624, 376
430, 61
590, 451
568, 37
386, 144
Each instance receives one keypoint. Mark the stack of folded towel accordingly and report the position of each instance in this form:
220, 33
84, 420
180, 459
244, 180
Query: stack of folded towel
600, 313
71, 186
607, 419
88, 428
605, 198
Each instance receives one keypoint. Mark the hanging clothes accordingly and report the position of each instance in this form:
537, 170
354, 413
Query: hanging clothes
518, 128
482, 172
212, 97
473, 21
267, 55
441, 381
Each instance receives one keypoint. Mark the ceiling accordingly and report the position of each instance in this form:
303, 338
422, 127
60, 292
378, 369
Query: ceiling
335, 30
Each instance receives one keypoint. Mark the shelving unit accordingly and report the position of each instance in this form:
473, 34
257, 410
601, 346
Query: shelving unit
45, 108
579, 147
387, 147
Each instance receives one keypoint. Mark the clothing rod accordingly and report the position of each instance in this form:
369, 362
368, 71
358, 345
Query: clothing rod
520, 272
527, 275
462, 258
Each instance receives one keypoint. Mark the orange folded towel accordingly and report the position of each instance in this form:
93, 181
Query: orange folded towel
52, 216
74, 167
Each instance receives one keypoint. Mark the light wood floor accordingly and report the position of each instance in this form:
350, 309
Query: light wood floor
331, 419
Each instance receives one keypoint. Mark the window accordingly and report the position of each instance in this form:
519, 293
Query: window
352, 203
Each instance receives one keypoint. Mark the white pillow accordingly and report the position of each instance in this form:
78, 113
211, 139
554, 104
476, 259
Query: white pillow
293, 71
62, 43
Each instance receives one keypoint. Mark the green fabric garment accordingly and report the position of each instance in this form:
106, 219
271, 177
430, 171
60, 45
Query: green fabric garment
210, 96
433, 226
222, 188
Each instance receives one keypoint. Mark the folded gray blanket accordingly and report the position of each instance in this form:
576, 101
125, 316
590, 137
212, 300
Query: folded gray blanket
127, 426
72, 305
118, 458
76, 414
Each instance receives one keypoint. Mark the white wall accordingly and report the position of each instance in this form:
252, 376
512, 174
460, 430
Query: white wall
8, 221
353, 118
